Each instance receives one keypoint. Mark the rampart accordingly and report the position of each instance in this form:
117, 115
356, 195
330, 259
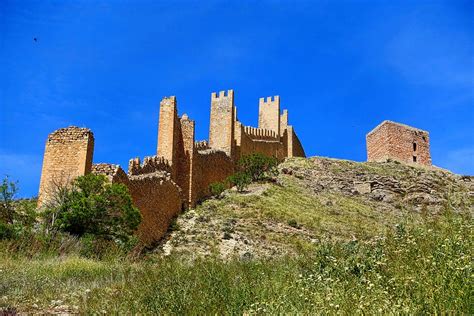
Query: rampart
180, 173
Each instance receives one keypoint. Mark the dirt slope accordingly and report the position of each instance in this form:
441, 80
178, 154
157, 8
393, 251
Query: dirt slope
314, 199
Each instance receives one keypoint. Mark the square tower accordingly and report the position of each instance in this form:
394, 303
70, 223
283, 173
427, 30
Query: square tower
221, 130
269, 114
67, 155
391, 140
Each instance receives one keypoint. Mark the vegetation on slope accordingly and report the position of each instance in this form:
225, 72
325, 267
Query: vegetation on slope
324, 236
422, 269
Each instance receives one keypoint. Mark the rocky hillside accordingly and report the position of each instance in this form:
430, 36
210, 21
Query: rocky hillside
314, 199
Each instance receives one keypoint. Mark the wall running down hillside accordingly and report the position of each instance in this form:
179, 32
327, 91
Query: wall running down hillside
180, 173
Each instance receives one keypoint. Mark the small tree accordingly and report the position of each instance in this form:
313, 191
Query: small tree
94, 207
257, 166
241, 180
8, 191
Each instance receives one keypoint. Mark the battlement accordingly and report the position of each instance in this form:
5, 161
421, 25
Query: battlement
180, 173
201, 145
168, 101
150, 164
269, 114
260, 133
269, 100
222, 95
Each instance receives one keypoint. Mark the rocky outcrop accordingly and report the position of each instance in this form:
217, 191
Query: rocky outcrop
391, 183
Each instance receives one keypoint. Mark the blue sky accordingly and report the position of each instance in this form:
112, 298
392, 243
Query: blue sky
340, 68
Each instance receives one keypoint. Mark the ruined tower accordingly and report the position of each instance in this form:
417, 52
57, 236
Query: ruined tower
391, 140
221, 131
67, 155
168, 133
269, 114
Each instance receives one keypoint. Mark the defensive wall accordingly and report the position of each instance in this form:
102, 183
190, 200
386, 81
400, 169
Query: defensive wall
180, 173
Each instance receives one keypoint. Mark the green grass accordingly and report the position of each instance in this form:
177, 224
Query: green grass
422, 269
322, 214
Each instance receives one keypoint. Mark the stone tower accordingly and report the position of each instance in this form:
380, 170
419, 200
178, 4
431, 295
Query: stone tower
167, 137
67, 155
391, 140
221, 130
269, 114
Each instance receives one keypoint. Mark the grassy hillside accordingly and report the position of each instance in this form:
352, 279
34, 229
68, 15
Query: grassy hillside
325, 236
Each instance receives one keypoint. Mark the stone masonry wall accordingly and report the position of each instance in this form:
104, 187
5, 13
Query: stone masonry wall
210, 166
181, 172
68, 154
221, 129
269, 114
400, 142
158, 198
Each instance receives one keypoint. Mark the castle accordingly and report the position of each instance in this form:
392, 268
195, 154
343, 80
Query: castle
180, 173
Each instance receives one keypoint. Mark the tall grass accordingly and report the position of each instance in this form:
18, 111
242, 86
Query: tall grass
426, 268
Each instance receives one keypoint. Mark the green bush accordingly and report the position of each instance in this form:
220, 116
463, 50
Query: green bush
7, 231
8, 190
16, 216
258, 166
94, 207
216, 188
241, 180
293, 223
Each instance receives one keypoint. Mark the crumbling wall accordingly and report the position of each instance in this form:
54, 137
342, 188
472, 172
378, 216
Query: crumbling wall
159, 200
399, 142
150, 164
67, 155
378, 144
210, 166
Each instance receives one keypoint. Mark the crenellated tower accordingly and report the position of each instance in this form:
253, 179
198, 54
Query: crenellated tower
269, 114
221, 130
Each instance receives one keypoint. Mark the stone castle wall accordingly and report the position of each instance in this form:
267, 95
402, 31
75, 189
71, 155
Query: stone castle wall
269, 114
400, 142
67, 155
182, 170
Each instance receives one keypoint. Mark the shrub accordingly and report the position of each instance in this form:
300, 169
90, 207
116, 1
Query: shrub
293, 223
257, 166
216, 188
241, 180
94, 207
8, 190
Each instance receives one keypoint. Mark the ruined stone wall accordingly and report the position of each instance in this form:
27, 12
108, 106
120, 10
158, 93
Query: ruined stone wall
181, 172
221, 129
210, 166
399, 142
150, 164
378, 144
158, 198
68, 154
269, 114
